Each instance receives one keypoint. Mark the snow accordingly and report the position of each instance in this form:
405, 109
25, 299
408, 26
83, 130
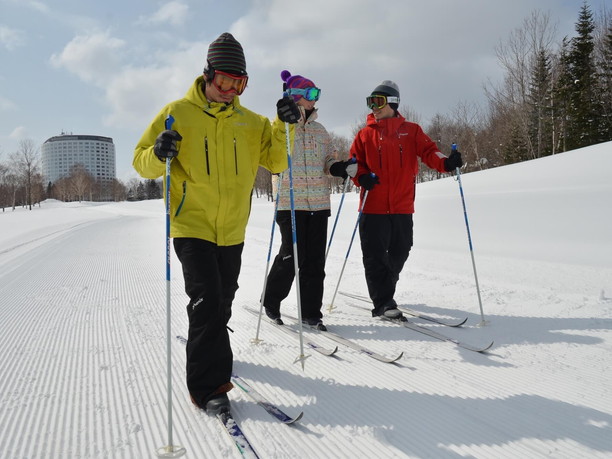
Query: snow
83, 337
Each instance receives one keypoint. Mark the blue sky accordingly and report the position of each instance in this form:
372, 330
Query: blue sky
106, 68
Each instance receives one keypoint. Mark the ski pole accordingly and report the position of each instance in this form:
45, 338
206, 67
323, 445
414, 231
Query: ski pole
365, 196
467, 226
170, 450
256, 340
301, 358
331, 237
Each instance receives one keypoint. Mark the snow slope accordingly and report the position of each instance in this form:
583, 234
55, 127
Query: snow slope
83, 344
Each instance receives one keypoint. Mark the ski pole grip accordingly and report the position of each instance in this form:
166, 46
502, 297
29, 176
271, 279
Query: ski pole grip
169, 122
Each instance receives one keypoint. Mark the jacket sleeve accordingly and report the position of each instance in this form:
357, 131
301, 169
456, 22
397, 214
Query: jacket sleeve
428, 151
358, 152
274, 146
330, 155
145, 162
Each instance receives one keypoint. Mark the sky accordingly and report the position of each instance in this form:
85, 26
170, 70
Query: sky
106, 68
83, 330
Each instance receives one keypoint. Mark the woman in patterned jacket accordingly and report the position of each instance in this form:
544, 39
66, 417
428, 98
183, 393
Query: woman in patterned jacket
312, 159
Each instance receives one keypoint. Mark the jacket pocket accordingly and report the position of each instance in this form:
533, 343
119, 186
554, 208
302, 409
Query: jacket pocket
180, 206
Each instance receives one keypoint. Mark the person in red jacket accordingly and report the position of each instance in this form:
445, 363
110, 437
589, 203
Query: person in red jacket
386, 150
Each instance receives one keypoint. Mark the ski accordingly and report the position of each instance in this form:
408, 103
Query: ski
426, 331
236, 435
265, 404
355, 346
410, 312
274, 410
287, 329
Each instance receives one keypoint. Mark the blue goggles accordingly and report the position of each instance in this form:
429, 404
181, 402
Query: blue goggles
306, 93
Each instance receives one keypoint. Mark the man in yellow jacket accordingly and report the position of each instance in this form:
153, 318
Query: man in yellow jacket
221, 145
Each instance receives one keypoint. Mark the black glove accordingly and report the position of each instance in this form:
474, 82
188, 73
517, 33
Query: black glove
368, 181
165, 144
287, 110
453, 161
344, 169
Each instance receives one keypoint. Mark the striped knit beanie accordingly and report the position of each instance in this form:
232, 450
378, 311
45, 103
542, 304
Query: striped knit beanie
296, 81
226, 54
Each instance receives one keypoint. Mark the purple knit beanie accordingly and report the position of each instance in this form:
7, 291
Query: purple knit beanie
296, 81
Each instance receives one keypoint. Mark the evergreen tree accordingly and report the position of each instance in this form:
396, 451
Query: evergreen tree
153, 189
605, 85
515, 149
141, 192
584, 116
562, 90
540, 102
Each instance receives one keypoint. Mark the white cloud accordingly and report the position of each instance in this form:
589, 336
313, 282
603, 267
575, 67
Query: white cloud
174, 13
6, 104
94, 58
135, 94
10, 38
20, 132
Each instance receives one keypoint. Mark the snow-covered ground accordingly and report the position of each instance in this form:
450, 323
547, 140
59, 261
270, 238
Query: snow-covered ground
83, 339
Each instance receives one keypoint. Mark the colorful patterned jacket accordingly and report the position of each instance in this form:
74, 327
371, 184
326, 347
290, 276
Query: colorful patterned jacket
311, 155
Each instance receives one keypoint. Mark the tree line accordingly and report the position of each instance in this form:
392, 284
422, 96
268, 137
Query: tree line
553, 97
22, 183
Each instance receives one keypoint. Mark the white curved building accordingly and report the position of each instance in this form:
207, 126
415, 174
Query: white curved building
62, 152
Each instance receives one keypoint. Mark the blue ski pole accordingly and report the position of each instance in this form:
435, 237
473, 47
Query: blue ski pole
170, 450
365, 196
256, 340
301, 358
331, 237
467, 226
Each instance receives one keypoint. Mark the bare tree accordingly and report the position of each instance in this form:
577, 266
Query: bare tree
4, 189
510, 99
27, 161
12, 182
263, 183
469, 122
81, 181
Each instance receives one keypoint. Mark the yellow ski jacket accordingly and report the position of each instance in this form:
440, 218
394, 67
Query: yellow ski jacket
213, 175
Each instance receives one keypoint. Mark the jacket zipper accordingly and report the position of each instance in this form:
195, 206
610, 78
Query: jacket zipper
178, 209
235, 155
380, 151
401, 156
206, 153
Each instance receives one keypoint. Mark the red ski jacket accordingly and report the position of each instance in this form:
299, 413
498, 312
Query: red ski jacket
389, 148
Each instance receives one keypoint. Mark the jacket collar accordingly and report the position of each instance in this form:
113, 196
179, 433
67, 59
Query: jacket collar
196, 95
387, 123
313, 116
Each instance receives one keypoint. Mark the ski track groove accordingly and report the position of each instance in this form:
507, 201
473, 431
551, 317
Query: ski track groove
100, 390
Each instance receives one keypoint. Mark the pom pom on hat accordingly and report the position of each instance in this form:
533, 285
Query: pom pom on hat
226, 54
296, 81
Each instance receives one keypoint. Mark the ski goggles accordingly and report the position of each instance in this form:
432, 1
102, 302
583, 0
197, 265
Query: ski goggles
226, 82
380, 101
306, 93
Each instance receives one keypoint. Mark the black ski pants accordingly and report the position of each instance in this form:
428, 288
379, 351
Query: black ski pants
211, 280
386, 240
311, 236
